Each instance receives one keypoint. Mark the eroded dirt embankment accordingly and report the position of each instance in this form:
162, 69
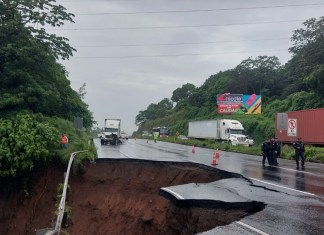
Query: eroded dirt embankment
119, 197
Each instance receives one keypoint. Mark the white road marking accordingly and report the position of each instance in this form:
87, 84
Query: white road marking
305, 172
252, 228
126, 155
280, 186
178, 196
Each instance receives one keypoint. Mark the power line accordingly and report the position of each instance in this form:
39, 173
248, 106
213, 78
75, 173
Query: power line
172, 55
179, 26
203, 10
183, 43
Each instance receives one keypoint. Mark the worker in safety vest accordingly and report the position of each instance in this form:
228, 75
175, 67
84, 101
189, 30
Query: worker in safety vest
155, 136
64, 141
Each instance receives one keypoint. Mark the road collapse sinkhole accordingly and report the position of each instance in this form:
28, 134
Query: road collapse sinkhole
124, 196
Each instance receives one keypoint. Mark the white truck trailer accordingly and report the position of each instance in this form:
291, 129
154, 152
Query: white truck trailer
111, 132
226, 130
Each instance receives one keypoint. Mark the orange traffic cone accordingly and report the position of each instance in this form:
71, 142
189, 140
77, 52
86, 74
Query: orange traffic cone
193, 149
217, 153
214, 161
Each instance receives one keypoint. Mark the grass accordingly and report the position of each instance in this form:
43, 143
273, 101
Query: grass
312, 154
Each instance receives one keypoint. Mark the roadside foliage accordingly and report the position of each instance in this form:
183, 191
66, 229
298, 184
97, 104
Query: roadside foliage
25, 143
35, 93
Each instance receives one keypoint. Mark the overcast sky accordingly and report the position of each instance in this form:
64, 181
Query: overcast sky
131, 53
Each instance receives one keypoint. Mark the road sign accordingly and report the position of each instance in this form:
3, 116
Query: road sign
78, 123
292, 127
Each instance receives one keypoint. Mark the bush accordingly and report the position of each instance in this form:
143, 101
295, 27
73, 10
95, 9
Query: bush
25, 142
315, 154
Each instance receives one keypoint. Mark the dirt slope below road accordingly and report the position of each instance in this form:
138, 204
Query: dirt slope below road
119, 197
122, 197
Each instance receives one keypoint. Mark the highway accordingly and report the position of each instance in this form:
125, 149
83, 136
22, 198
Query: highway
294, 199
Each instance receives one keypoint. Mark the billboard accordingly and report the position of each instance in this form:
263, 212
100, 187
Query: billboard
238, 103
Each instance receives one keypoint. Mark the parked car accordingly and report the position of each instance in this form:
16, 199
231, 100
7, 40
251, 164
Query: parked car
250, 140
146, 133
123, 135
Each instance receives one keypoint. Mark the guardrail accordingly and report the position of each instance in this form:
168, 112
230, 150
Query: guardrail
61, 207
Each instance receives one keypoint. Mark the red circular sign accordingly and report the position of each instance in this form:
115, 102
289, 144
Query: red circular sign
292, 124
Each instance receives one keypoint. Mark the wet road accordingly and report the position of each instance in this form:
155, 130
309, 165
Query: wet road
295, 199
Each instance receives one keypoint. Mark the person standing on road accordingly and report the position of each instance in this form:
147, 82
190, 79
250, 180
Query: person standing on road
276, 152
299, 152
64, 141
155, 136
265, 152
272, 153
278, 144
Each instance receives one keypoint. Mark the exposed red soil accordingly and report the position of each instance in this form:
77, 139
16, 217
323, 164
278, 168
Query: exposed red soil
117, 197
22, 214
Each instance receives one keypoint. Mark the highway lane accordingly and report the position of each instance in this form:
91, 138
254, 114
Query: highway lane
310, 180
294, 198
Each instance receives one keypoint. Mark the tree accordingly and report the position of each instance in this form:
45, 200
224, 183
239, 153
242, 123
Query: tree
30, 17
315, 81
163, 108
30, 77
258, 76
198, 98
165, 104
82, 91
140, 118
308, 56
312, 34
151, 113
154, 111
182, 93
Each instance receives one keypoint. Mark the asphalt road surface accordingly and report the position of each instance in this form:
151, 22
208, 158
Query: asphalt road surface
294, 199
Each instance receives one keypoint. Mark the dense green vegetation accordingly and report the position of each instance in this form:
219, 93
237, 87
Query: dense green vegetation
31, 78
37, 103
296, 85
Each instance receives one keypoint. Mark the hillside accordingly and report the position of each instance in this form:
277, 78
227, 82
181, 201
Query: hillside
296, 85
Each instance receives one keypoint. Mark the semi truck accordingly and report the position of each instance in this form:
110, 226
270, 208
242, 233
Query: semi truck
225, 130
111, 132
305, 124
